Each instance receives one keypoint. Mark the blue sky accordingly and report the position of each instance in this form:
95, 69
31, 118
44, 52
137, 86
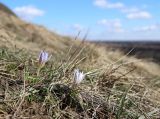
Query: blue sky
101, 19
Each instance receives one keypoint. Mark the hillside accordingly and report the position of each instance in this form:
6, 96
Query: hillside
115, 85
16, 32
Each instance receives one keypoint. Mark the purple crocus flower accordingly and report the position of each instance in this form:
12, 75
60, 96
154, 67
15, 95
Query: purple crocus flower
43, 57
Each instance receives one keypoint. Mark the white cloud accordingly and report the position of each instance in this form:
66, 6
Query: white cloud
139, 15
28, 12
136, 13
131, 12
115, 5
77, 27
119, 30
73, 30
106, 4
100, 3
112, 25
152, 27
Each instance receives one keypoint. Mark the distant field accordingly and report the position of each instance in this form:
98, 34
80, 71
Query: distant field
141, 49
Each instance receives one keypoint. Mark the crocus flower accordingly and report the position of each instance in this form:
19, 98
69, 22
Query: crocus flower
78, 76
43, 57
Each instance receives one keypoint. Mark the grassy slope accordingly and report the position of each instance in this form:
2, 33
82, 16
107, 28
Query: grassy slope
116, 86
